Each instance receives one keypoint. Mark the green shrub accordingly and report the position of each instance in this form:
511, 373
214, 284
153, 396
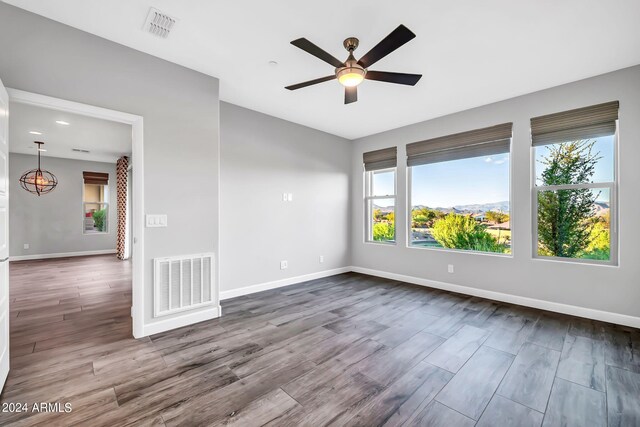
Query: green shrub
599, 241
463, 232
424, 217
496, 217
384, 231
599, 237
598, 254
421, 221
99, 219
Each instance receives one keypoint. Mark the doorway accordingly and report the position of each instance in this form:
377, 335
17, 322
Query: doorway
98, 217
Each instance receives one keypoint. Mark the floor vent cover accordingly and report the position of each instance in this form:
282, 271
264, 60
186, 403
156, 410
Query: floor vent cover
183, 283
158, 23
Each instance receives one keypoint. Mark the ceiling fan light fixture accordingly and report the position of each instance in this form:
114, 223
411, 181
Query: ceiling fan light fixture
352, 72
351, 76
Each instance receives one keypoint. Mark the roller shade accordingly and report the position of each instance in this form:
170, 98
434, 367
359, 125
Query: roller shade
581, 123
99, 178
380, 159
475, 143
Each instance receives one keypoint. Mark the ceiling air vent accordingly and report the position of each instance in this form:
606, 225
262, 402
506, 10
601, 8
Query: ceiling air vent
80, 150
158, 23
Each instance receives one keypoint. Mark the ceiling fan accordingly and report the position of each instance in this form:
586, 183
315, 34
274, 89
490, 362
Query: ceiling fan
352, 72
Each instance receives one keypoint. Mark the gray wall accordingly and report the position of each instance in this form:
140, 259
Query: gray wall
613, 289
261, 158
53, 223
180, 109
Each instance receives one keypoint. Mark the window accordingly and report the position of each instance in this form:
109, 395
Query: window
381, 206
380, 195
95, 203
575, 184
459, 191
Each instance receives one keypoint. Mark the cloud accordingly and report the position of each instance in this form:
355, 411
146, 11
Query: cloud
496, 161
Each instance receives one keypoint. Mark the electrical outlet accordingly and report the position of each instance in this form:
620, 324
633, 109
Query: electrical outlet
284, 265
26, 246
321, 259
450, 268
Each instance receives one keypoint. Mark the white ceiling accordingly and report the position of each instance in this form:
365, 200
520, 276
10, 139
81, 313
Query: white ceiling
105, 140
470, 52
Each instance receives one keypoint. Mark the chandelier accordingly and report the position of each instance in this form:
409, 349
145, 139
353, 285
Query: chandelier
38, 181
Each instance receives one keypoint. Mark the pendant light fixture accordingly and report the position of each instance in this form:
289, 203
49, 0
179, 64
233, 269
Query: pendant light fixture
38, 181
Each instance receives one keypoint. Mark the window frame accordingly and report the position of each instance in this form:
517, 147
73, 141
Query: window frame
409, 234
368, 203
613, 210
105, 204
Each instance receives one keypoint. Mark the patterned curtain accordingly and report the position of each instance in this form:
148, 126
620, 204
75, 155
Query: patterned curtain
121, 182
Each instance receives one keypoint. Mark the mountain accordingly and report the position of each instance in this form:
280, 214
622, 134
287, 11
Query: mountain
600, 208
384, 209
474, 208
484, 207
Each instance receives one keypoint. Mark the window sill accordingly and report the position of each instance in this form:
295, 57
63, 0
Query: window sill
576, 261
371, 242
461, 251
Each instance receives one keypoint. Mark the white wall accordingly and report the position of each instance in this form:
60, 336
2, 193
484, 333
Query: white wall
263, 157
611, 289
180, 109
53, 223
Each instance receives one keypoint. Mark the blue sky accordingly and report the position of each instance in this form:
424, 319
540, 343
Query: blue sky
479, 179
461, 182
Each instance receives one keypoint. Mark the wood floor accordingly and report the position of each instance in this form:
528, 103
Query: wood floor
345, 350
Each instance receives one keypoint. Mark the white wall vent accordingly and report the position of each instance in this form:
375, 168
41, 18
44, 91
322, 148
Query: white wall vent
158, 23
183, 283
80, 150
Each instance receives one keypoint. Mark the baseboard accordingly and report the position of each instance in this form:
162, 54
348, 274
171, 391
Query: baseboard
589, 313
208, 314
232, 293
181, 320
61, 255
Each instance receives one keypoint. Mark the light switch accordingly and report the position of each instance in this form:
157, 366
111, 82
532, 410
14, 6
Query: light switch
156, 220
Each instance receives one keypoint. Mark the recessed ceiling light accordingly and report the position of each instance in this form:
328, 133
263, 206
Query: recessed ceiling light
62, 122
33, 132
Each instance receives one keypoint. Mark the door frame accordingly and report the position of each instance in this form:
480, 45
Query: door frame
137, 217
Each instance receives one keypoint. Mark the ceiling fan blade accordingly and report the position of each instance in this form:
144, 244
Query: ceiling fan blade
397, 38
399, 78
314, 50
311, 82
350, 94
